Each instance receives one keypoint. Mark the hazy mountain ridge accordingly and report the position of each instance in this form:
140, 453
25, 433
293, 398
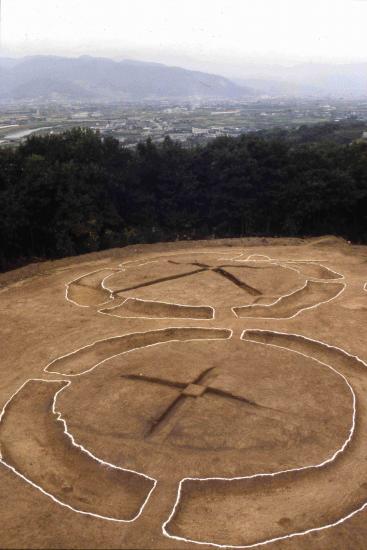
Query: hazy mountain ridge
87, 77
314, 79
102, 79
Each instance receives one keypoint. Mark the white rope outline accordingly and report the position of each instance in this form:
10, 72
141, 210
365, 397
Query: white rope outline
126, 264
59, 418
261, 258
183, 306
183, 253
339, 278
67, 383
67, 286
265, 258
286, 296
120, 269
167, 329
280, 263
273, 474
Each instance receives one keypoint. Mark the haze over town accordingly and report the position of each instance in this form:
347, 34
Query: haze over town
130, 69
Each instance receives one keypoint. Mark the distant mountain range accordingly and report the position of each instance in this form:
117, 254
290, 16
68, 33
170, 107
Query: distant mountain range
307, 79
90, 78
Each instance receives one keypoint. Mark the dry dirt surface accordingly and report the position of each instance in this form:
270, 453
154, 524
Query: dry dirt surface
186, 395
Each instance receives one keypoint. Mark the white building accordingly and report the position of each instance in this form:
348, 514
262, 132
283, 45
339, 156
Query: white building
199, 131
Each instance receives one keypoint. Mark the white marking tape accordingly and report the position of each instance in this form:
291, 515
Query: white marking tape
67, 286
258, 258
281, 298
80, 447
274, 474
58, 414
104, 312
229, 331
169, 255
120, 269
280, 263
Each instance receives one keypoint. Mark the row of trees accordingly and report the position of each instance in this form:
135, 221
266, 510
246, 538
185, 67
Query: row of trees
76, 192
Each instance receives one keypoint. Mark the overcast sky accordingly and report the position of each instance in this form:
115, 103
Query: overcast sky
201, 33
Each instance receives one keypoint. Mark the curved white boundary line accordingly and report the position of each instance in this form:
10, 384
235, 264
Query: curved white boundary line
104, 312
67, 286
339, 278
286, 296
170, 254
214, 329
59, 418
265, 258
67, 383
120, 269
365, 287
280, 263
251, 258
317, 466
173, 254
127, 264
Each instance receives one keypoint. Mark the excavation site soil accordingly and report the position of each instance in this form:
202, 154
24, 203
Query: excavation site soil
186, 395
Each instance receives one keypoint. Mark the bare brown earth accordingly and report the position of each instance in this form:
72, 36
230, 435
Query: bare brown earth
50, 460
314, 293
134, 307
166, 395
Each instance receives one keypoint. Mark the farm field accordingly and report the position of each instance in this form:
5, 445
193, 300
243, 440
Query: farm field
186, 395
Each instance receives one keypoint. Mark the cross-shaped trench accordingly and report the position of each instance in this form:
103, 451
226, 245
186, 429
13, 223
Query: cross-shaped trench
163, 425
219, 270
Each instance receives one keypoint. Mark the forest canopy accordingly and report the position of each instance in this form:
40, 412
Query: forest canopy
78, 192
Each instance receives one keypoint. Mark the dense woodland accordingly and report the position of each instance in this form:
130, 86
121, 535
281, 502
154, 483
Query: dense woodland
68, 194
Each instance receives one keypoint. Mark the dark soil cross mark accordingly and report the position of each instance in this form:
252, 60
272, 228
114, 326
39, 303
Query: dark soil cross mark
202, 268
163, 425
251, 290
157, 281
